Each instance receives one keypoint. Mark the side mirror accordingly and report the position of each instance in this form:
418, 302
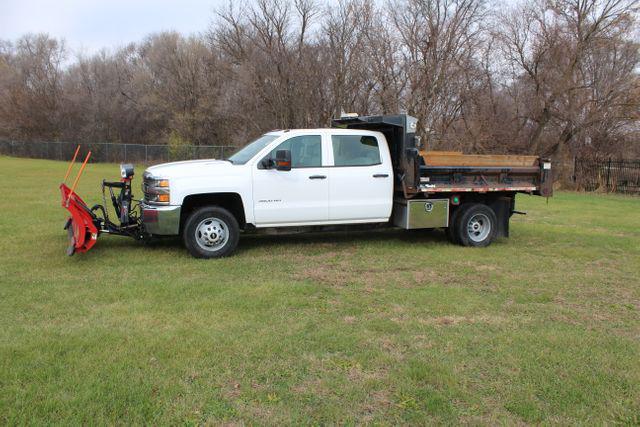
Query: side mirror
283, 160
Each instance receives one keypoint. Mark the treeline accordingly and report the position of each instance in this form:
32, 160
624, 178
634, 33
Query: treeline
555, 77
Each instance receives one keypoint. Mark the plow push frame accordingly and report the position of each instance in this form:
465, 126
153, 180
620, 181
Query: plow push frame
85, 224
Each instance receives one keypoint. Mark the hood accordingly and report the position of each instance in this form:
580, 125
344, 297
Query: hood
190, 168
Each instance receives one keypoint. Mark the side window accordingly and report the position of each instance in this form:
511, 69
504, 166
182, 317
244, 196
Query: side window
355, 150
306, 151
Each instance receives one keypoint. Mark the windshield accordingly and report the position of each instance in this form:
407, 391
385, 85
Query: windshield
246, 153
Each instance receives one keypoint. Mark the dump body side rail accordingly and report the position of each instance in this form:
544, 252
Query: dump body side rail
482, 179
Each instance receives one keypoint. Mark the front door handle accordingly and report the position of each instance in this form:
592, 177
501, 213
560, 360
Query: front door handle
318, 177
381, 175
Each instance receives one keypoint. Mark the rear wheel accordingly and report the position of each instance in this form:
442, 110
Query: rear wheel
476, 225
211, 232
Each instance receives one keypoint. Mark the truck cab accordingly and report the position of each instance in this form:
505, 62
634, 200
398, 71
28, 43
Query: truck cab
287, 178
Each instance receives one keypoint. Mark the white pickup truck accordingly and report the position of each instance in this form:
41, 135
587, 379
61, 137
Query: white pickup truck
363, 170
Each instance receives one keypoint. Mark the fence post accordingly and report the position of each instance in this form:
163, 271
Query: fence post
608, 173
146, 160
575, 166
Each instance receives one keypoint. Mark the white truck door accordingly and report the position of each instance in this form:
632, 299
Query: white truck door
361, 179
298, 196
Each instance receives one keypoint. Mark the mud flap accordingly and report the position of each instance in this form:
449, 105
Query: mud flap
503, 207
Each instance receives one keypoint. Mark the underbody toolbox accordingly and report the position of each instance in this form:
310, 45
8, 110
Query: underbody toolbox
421, 213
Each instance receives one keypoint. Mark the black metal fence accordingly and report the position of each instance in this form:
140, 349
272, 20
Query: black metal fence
620, 176
115, 153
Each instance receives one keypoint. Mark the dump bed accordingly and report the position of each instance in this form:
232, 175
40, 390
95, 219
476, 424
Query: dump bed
435, 172
446, 171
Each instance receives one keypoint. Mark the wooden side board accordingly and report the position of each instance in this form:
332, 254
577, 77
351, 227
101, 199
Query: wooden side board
453, 158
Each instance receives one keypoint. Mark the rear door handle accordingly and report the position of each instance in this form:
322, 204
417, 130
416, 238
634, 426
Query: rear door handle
318, 177
381, 175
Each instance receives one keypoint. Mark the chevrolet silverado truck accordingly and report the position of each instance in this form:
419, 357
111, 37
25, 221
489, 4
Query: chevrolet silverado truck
364, 170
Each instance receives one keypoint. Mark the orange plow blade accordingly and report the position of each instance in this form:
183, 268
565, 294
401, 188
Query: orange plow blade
81, 226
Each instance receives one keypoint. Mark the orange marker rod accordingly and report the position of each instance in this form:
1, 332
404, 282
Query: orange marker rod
66, 175
73, 187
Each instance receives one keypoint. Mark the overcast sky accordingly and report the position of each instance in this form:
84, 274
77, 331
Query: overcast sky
88, 25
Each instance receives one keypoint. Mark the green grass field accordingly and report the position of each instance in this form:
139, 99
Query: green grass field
386, 327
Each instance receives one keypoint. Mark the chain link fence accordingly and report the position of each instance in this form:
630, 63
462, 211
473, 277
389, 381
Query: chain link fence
115, 153
620, 176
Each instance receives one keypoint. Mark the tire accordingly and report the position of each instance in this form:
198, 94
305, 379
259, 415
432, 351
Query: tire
451, 229
476, 225
211, 232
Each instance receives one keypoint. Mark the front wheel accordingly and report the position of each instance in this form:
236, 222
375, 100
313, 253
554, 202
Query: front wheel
211, 232
476, 225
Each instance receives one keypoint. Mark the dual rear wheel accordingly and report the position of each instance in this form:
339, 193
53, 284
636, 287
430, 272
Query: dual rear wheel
473, 224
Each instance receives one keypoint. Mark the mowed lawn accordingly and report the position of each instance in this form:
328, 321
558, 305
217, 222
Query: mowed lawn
382, 327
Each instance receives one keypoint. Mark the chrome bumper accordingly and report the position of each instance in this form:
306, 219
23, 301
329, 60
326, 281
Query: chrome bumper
161, 220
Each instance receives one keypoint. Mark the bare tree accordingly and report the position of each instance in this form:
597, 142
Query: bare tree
33, 73
553, 47
439, 39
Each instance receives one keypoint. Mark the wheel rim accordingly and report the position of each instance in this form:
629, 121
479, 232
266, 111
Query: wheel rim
212, 234
478, 227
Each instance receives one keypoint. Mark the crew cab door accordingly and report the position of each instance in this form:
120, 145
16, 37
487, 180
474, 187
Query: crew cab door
297, 196
361, 179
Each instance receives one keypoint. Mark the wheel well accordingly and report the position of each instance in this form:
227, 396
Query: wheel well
230, 201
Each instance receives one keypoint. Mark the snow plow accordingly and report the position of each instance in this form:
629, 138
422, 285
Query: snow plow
86, 224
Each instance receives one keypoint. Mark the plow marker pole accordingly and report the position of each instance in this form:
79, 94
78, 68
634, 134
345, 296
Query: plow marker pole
66, 175
75, 183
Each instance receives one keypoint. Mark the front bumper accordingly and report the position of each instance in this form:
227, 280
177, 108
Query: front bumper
161, 220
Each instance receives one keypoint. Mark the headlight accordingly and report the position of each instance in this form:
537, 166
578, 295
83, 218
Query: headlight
126, 170
156, 190
158, 198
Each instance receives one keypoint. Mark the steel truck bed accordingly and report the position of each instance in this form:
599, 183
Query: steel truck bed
454, 172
